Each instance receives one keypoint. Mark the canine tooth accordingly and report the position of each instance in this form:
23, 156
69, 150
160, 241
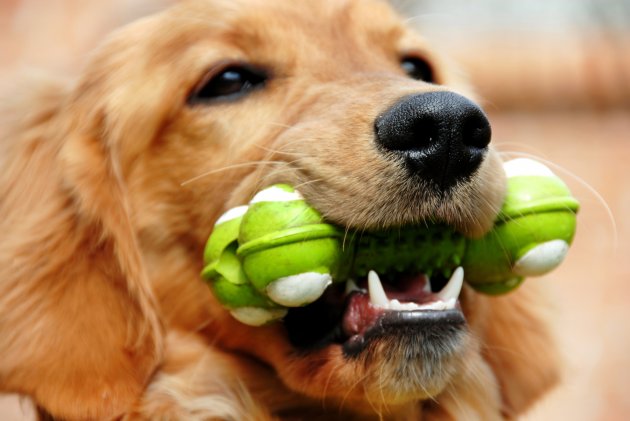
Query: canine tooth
450, 304
452, 289
427, 284
378, 297
351, 286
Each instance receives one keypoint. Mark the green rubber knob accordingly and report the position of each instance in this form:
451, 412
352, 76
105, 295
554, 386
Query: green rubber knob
429, 249
287, 250
532, 234
229, 283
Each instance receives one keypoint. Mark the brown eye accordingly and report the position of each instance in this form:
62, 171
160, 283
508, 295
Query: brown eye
231, 83
418, 68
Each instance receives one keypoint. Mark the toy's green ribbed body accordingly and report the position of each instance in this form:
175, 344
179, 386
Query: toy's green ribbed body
428, 249
278, 252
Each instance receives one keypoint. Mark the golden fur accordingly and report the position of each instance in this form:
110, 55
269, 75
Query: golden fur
110, 187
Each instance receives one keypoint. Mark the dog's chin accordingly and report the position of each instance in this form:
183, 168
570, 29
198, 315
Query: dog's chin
413, 356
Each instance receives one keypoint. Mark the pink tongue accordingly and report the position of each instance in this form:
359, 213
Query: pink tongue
408, 289
360, 314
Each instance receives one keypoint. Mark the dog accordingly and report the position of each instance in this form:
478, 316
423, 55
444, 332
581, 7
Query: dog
111, 185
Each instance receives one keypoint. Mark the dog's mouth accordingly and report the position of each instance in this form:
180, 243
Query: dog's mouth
355, 313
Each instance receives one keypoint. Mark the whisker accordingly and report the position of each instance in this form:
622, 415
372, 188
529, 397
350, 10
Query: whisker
296, 141
374, 408
263, 181
332, 372
277, 151
521, 145
316, 180
587, 186
359, 381
229, 167
382, 383
456, 401
346, 232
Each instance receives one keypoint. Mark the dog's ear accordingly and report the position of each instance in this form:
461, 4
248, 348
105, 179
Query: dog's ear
79, 327
520, 347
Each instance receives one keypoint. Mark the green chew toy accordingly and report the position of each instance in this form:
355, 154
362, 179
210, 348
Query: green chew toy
278, 252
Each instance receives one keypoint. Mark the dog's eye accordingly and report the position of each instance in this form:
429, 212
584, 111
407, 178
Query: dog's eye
230, 83
417, 68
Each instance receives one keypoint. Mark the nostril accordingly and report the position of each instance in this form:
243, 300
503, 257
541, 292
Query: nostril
476, 131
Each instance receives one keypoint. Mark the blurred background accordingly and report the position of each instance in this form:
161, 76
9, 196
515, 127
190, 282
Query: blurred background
554, 77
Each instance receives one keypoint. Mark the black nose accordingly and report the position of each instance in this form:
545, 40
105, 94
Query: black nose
442, 136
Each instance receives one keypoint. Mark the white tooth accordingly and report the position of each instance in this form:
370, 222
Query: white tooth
397, 305
378, 297
452, 289
351, 286
435, 305
439, 305
427, 284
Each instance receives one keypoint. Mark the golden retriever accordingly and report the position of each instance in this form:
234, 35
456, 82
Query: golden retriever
111, 185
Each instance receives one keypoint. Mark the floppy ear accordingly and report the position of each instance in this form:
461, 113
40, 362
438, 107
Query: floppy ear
79, 326
519, 346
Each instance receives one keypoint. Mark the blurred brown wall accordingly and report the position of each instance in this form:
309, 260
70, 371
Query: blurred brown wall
556, 54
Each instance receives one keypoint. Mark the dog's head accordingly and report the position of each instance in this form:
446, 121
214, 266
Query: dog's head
203, 105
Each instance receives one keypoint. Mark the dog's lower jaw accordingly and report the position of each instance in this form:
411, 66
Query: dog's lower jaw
388, 375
